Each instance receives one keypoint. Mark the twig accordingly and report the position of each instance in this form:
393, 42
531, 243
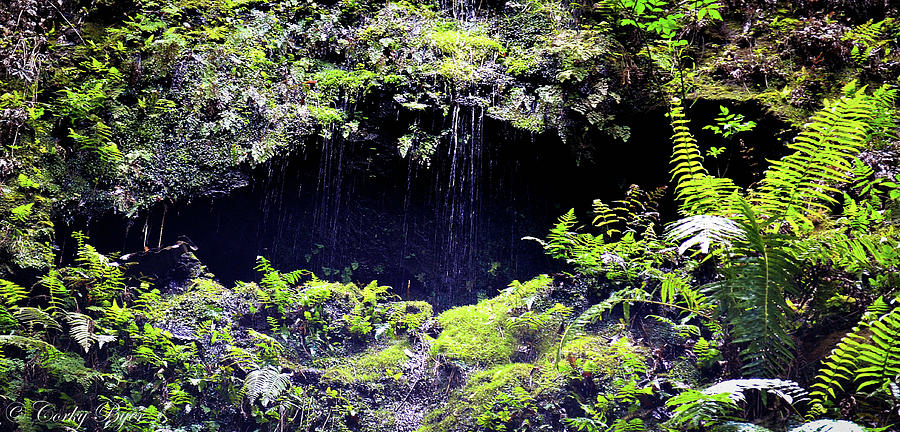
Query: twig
450, 381
411, 388
67, 21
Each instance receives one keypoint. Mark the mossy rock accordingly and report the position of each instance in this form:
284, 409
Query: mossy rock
595, 356
407, 315
476, 334
466, 404
372, 365
202, 300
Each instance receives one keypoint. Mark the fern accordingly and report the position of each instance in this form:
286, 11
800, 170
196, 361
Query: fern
561, 238
83, 330
799, 187
279, 289
266, 385
694, 409
100, 143
722, 402
703, 230
103, 278
753, 294
24, 342
31, 317
270, 348
625, 425
60, 298
637, 212
242, 358
868, 358
697, 191
11, 293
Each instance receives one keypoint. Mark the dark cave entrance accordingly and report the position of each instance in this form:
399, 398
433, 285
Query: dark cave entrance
449, 233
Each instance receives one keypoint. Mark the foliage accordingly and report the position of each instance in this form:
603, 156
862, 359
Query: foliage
866, 362
795, 192
723, 402
266, 385
467, 404
753, 296
622, 251
798, 187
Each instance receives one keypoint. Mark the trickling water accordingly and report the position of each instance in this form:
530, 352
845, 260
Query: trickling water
351, 208
459, 184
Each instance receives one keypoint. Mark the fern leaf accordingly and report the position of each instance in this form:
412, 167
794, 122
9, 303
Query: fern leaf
266, 385
60, 298
868, 356
11, 293
697, 191
798, 187
826, 425
703, 230
753, 294
788, 391
31, 317
82, 329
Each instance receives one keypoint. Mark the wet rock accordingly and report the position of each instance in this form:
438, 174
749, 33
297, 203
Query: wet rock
170, 267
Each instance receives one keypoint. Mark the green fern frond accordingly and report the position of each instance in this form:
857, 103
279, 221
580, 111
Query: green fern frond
718, 405
60, 298
266, 385
637, 212
852, 253
693, 409
626, 425
11, 293
866, 362
753, 296
697, 191
103, 278
561, 238
31, 317
83, 330
788, 391
24, 342
242, 358
802, 185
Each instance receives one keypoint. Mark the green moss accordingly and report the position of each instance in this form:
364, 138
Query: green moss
327, 116
408, 315
470, 44
684, 373
521, 62
331, 83
595, 357
460, 52
465, 404
372, 365
476, 334
200, 302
